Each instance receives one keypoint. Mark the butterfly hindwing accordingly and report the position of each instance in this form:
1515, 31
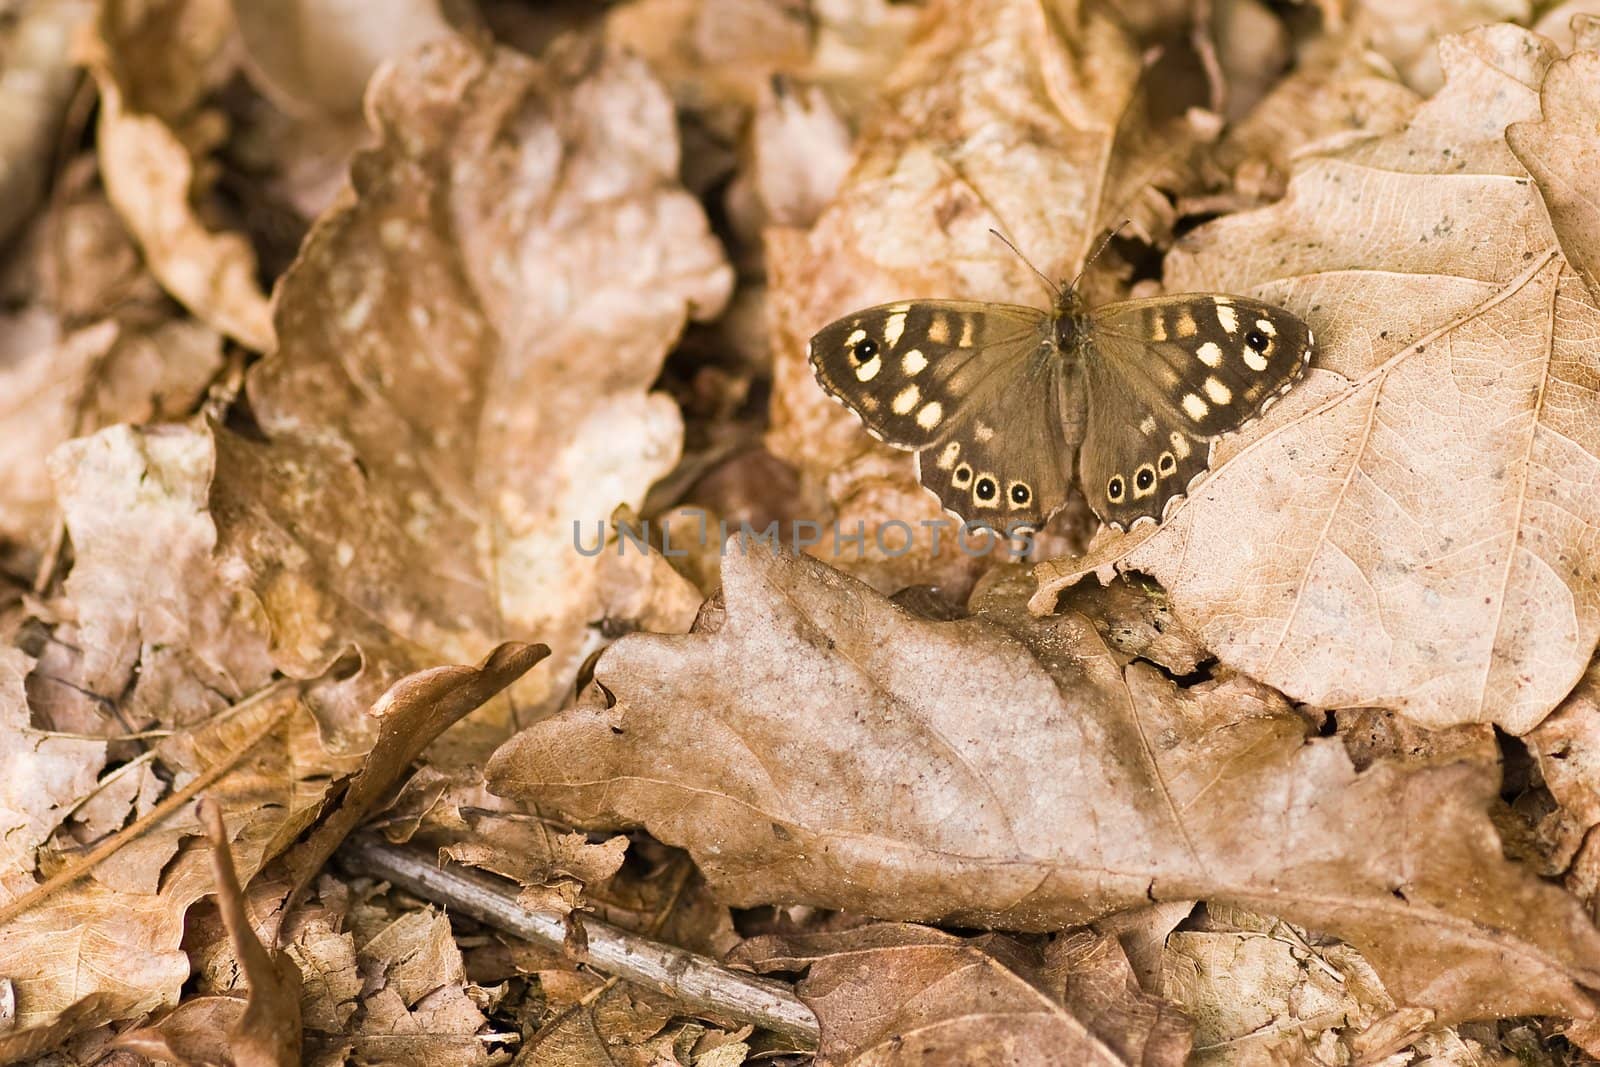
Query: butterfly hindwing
1006, 458
1212, 361
906, 368
1135, 457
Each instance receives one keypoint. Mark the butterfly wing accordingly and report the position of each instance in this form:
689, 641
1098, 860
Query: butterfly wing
974, 388
1214, 361
1165, 378
1136, 457
1006, 458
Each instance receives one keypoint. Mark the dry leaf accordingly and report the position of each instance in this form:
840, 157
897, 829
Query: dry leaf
1414, 527
897, 994
82, 953
1261, 991
463, 371
156, 61
822, 746
315, 57
263, 1029
1405, 32
85, 953
1560, 152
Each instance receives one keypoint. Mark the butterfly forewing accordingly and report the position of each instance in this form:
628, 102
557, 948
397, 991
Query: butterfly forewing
905, 368
1214, 362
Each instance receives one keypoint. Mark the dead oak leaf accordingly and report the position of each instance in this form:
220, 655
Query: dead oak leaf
822, 746
898, 994
1416, 526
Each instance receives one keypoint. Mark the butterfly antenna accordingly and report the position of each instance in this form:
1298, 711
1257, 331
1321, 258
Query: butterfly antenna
1054, 288
1099, 248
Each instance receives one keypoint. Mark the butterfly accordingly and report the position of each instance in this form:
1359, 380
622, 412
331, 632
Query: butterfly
999, 400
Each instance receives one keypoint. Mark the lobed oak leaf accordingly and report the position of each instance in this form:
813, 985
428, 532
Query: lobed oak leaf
816, 744
1415, 527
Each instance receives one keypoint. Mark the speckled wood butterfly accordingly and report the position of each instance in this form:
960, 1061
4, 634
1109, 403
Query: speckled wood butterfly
995, 399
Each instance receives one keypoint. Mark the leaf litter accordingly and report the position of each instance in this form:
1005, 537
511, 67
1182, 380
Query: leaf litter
332, 326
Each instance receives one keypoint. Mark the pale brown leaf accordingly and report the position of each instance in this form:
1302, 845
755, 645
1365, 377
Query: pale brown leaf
893, 994
822, 746
1562, 154
1415, 526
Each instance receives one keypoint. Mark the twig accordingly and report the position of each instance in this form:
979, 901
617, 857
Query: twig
696, 980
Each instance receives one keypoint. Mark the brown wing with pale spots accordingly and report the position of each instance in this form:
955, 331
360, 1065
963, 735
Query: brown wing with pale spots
1006, 459
1215, 361
1136, 458
905, 368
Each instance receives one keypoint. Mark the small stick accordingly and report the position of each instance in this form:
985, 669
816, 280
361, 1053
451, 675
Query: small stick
696, 980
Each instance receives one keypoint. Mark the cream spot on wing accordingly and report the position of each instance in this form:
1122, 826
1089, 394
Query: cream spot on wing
893, 328
1227, 318
947, 458
1219, 393
1266, 327
1158, 327
1210, 354
983, 432
1192, 404
869, 403
966, 332
1254, 360
905, 400
869, 370
914, 361
1148, 426
1185, 326
857, 335
1180, 444
930, 415
939, 328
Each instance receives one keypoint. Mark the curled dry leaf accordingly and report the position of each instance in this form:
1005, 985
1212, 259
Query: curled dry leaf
1416, 525
822, 746
1029, 118
895, 994
262, 1029
156, 62
82, 953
